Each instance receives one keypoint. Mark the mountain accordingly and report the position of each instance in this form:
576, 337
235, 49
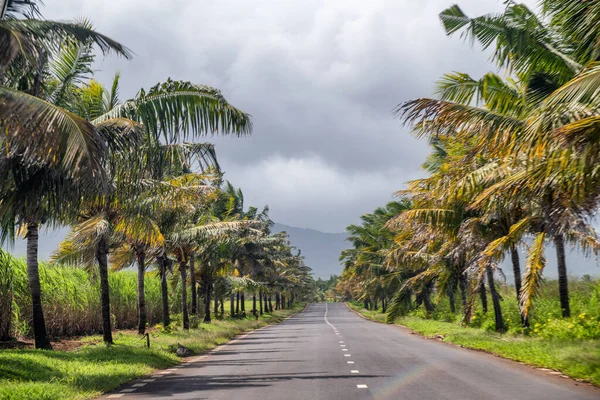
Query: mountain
321, 250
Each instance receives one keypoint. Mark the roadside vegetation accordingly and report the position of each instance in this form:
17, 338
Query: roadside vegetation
512, 172
94, 368
325, 289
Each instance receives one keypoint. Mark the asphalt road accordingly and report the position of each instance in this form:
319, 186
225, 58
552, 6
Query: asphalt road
329, 352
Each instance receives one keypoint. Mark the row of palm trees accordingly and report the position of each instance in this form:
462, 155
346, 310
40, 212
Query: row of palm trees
127, 176
514, 164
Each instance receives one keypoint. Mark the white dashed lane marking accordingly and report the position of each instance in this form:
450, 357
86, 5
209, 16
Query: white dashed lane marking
148, 380
343, 346
115, 396
136, 385
128, 390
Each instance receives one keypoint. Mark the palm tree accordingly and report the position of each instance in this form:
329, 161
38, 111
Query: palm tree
169, 112
371, 242
50, 171
518, 128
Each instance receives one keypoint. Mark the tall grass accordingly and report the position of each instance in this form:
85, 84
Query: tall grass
71, 299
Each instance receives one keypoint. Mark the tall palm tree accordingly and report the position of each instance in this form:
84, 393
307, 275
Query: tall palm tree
50, 171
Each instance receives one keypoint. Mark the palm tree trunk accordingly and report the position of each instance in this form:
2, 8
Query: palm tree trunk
164, 289
102, 258
451, 300
237, 303
427, 302
282, 301
514, 255
193, 285
6, 301
141, 258
462, 284
231, 304
260, 296
33, 275
184, 308
483, 296
207, 292
254, 303
563, 283
383, 304
495, 300
270, 304
216, 302
277, 300
243, 302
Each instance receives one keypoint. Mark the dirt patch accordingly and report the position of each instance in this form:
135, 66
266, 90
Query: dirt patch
16, 344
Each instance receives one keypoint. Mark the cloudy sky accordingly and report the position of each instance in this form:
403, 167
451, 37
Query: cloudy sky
320, 78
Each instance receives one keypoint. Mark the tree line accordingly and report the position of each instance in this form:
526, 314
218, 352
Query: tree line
513, 166
129, 177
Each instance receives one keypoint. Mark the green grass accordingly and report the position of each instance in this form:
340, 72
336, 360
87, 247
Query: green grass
577, 358
95, 368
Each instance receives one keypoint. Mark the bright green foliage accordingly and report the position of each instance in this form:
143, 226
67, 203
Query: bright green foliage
93, 369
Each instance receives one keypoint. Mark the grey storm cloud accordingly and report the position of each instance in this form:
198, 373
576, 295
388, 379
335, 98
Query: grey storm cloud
320, 78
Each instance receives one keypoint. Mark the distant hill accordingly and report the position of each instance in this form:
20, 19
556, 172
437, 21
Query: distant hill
321, 250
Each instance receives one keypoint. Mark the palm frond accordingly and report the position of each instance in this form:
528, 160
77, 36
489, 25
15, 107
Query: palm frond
533, 274
42, 131
177, 110
496, 249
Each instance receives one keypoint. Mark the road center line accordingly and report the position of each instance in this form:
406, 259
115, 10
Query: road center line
327, 321
354, 371
362, 386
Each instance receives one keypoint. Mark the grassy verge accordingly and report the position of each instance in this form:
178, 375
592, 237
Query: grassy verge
94, 368
578, 359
